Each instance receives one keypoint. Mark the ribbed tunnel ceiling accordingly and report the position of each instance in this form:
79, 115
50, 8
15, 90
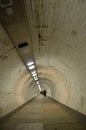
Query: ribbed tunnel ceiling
56, 33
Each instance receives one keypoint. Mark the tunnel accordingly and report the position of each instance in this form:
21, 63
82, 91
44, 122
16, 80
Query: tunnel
55, 31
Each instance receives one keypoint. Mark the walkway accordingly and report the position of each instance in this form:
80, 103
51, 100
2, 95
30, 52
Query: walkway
43, 113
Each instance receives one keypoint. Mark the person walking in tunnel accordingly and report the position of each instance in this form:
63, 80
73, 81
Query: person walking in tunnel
45, 92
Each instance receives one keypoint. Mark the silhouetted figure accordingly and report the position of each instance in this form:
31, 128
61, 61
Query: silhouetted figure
44, 92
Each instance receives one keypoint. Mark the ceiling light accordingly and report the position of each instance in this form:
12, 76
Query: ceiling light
31, 67
35, 77
30, 63
34, 74
37, 82
39, 87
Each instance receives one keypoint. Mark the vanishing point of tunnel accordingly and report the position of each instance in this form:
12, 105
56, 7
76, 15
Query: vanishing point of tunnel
43, 48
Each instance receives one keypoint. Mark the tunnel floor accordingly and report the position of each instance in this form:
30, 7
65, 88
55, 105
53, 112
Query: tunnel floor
44, 113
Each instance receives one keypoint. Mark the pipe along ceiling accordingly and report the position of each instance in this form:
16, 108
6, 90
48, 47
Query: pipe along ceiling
54, 34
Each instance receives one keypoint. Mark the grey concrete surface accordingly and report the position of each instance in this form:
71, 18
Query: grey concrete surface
44, 113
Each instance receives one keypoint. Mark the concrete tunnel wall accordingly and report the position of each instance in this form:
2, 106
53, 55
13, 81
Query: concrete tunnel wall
17, 87
62, 70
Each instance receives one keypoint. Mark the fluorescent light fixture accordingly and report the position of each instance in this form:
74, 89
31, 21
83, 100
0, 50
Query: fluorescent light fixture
35, 77
37, 82
33, 72
31, 67
30, 63
39, 87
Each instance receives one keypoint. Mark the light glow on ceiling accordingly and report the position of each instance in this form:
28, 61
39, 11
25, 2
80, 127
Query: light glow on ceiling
31, 67
35, 77
39, 87
37, 82
30, 63
34, 74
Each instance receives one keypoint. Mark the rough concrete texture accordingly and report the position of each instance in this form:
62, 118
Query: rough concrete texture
43, 113
56, 32
14, 83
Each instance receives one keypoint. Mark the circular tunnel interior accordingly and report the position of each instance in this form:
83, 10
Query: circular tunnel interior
56, 37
